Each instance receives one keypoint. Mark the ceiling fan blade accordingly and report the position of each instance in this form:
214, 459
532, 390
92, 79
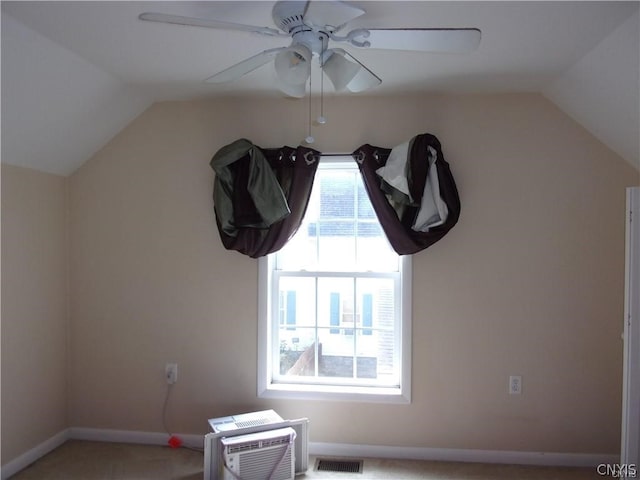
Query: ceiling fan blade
425, 39
242, 68
206, 22
332, 14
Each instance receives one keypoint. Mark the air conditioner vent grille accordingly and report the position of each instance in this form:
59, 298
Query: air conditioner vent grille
252, 423
257, 465
257, 444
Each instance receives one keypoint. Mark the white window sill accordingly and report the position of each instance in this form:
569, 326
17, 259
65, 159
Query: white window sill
334, 392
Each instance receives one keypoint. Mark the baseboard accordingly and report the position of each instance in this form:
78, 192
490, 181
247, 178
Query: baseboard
132, 436
375, 451
27, 458
93, 434
462, 455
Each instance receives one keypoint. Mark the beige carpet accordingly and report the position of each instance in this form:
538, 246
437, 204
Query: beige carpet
79, 460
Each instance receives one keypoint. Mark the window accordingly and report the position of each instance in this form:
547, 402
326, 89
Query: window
334, 302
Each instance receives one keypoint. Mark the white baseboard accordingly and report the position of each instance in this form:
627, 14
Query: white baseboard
132, 436
320, 449
30, 456
462, 455
93, 434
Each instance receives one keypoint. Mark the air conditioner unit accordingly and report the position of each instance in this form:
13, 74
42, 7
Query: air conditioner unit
248, 423
266, 455
244, 420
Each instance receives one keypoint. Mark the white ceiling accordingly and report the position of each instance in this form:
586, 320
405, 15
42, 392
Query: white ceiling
75, 73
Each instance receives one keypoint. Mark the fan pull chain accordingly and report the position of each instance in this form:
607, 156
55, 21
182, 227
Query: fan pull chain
309, 138
321, 119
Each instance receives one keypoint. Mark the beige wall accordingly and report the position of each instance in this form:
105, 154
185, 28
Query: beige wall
34, 309
530, 281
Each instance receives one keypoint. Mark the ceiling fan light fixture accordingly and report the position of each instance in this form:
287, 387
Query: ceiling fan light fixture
339, 70
293, 67
296, 91
311, 24
348, 75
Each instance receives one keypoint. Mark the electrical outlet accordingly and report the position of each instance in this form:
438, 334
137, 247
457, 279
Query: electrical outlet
171, 373
515, 385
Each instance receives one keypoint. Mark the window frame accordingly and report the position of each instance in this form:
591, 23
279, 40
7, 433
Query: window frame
268, 319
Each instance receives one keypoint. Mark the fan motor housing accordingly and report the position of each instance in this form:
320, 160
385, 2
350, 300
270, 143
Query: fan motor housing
287, 15
315, 41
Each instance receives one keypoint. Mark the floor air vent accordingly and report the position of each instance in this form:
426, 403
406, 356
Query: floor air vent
344, 466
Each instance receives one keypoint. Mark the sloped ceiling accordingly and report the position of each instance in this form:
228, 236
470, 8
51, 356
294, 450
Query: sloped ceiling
58, 108
601, 90
75, 73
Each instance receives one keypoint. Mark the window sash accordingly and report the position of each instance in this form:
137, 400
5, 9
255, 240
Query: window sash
362, 237
277, 377
267, 388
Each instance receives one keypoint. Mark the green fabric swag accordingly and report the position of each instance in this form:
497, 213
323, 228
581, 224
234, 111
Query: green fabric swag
261, 194
262, 187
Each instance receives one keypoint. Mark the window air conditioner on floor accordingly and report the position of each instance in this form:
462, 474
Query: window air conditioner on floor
257, 439
266, 455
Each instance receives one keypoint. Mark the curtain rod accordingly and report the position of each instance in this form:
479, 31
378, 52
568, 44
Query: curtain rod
343, 154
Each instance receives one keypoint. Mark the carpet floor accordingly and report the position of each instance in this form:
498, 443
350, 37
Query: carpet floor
82, 460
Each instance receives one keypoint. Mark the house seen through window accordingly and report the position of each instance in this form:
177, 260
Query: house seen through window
335, 310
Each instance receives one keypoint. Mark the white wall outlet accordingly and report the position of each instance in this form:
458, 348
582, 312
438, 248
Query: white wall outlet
171, 373
515, 385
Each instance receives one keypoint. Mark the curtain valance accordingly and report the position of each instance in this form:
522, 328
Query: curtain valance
412, 191
260, 195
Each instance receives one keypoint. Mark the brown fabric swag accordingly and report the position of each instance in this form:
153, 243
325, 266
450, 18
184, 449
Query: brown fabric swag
401, 236
241, 219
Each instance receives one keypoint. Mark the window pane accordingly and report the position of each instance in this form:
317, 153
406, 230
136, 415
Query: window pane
340, 231
373, 250
297, 352
376, 332
334, 297
355, 328
337, 356
337, 199
297, 301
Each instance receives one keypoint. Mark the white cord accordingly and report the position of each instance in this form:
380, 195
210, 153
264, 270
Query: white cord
284, 454
309, 140
164, 419
164, 409
321, 119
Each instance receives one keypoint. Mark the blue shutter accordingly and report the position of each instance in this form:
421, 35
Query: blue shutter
367, 313
334, 312
291, 310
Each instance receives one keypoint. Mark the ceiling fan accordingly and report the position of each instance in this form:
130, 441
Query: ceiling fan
312, 25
